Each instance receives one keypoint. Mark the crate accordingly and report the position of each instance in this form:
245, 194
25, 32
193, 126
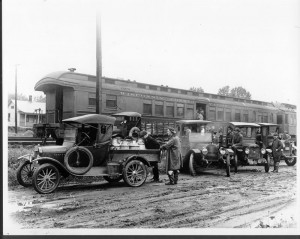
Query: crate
113, 168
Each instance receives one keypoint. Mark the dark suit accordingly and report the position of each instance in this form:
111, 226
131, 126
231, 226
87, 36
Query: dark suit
151, 143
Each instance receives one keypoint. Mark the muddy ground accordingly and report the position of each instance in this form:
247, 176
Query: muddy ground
250, 198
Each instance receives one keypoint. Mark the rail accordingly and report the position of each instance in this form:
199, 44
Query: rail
28, 140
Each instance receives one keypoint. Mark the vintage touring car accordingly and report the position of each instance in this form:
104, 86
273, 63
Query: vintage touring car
88, 150
250, 153
198, 150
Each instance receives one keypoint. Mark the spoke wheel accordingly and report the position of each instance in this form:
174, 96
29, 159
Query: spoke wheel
135, 173
228, 166
46, 178
192, 165
267, 164
113, 179
25, 173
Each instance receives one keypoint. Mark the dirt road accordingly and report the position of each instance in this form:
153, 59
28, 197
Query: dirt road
250, 198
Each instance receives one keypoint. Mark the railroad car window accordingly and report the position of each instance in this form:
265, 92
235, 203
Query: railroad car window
180, 110
220, 114
279, 119
8, 117
245, 118
109, 81
195, 93
92, 78
170, 111
183, 92
164, 89
212, 113
228, 116
271, 118
153, 87
92, 99
147, 109
254, 116
142, 86
111, 101
222, 97
174, 91
159, 110
237, 116
214, 96
206, 95
286, 118
265, 118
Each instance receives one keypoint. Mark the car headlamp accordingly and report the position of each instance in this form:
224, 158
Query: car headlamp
40, 150
263, 150
204, 151
247, 150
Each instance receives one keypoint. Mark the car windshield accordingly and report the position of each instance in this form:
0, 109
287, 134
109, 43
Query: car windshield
70, 135
248, 132
193, 128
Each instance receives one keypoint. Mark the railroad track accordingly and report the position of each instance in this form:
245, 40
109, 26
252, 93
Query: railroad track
28, 140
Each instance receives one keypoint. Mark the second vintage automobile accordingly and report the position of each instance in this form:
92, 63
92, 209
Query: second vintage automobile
88, 150
198, 151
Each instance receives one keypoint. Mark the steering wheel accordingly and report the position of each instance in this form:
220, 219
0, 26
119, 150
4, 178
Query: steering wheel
86, 135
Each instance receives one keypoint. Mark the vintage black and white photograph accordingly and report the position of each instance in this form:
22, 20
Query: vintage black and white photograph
150, 117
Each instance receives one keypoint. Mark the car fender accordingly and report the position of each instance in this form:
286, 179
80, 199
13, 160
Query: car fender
42, 160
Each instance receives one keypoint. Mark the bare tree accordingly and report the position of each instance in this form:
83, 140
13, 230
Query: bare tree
197, 89
238, 92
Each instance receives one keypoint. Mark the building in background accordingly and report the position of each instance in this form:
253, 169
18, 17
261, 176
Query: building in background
29, 112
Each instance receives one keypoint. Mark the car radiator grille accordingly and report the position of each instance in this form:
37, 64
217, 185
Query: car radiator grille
254, 153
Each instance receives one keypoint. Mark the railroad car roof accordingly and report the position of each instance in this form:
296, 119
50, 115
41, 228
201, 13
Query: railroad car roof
193, 121
91, 119
241, 124
267, 124
130, 114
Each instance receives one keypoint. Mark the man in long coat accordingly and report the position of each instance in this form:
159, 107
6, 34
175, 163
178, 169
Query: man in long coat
174, 158
276, 151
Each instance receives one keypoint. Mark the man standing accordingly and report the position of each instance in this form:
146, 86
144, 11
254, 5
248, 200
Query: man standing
237, 141
151, 143
276, 151
174, 159
229, 137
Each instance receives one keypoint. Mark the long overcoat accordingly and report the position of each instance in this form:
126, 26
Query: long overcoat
277, 144
174, 157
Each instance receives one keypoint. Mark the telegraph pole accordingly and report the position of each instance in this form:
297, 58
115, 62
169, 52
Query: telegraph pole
99, 65
16, 100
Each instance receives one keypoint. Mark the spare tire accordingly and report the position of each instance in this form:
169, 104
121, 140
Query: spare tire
78, 160
134, 130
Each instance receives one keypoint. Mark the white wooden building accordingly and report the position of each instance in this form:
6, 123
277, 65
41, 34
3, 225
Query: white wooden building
28, 113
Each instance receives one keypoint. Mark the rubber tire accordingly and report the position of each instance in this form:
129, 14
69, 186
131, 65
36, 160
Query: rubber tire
126, 173
113, 180
267, 164
82, 171
44, 168
228, 166
290, 162
192, 164
30, 172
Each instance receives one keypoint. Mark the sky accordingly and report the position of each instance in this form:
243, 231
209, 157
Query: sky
179, 43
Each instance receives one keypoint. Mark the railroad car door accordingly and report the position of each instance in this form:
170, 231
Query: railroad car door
59, 104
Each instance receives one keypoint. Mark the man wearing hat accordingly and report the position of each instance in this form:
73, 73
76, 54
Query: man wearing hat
174, 158
277, 146
151, 143
237, 140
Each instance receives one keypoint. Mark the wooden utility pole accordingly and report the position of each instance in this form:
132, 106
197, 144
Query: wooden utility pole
16, 99
99, 65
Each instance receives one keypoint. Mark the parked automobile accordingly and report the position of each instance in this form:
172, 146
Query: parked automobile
88, 150
198, 151
250, 153
289, 154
